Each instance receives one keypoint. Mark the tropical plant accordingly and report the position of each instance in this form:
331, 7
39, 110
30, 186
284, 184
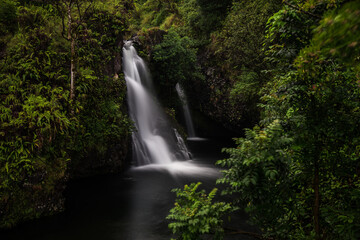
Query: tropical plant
195, 214
44, 134
314, 101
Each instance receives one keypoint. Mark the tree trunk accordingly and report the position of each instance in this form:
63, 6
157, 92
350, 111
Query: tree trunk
72, 56
72, 70
317, 200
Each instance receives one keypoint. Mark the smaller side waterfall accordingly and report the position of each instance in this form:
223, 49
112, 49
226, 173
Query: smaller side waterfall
182, 146
188, 119
154, 140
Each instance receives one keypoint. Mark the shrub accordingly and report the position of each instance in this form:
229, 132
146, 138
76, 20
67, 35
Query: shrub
195, 213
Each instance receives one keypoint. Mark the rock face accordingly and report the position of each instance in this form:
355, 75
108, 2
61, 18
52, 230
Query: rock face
115, 160
148, 39
212, 97
42, 193
39, 195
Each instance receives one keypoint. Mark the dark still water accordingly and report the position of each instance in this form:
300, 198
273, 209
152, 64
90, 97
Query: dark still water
130, 206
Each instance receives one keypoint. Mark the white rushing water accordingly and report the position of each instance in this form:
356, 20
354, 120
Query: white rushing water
154, 140
185, 105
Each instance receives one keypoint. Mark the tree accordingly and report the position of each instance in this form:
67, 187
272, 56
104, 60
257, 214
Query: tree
313, 104
195, 214
38, 133
174, 61
73, 11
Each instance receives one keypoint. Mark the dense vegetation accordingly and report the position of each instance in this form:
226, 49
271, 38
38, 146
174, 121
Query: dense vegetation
291, 68
288, 70
49, 127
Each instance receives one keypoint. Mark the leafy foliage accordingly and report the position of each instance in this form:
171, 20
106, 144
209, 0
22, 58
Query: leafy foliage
7, 17
239, 42
43, 133
173, 61
195, 213
338, 35
314, 103
297, 172
34, 120
154, 13
234, 64
211, 15
260, 169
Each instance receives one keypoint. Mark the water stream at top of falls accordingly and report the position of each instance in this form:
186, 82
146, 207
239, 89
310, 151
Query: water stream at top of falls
188, 119
154, 140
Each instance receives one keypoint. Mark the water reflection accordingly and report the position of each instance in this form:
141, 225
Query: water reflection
151, 200
132, 206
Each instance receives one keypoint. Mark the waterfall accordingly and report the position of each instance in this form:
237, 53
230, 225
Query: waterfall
154, 140
188, 119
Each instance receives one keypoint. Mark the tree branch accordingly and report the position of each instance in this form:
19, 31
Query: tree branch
87, 9
302, 10
63, 29
60, 9
78, 6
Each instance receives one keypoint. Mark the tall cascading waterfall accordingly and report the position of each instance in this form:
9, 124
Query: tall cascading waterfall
188, 118
154, 140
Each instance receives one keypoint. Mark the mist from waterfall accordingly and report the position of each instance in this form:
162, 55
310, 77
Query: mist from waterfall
154, 140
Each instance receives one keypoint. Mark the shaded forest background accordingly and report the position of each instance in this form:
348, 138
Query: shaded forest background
282, 74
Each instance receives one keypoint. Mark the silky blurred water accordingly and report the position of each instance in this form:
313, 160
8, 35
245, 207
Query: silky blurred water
154, 140
186, 110
134, 205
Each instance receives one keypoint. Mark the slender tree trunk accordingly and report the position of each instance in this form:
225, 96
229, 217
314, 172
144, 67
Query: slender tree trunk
72, 70
317, 200
72, 56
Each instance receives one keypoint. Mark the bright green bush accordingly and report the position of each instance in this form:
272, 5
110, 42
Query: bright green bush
195, 214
